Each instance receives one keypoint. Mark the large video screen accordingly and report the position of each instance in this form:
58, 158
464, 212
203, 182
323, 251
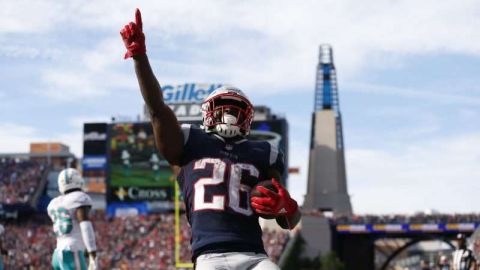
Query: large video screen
134, 160
137, 172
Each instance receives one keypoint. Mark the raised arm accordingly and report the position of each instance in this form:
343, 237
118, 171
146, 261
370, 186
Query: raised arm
167, 131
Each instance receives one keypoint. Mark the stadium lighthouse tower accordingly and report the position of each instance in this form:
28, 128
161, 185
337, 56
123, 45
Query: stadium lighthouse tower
327, 184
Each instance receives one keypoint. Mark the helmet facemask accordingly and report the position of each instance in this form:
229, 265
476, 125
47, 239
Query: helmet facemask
228, 113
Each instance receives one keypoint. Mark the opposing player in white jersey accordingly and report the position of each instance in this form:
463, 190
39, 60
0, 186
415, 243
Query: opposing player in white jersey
71, 224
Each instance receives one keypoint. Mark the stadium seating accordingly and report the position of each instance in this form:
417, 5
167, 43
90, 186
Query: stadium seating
29, 244
18, 180
420, 218
404, 219
143, 242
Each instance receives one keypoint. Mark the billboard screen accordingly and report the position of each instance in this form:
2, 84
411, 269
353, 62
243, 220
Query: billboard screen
94, 163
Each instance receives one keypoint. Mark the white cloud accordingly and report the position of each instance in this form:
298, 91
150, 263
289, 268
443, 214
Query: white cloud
419, 94
69, 85
28, 51
74, 139
436, 174
270, 45
88, 74
279, 39
30, 16
16, 138
103, 56
78, 121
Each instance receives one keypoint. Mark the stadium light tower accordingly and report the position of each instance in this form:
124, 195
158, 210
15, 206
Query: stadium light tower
326, 94
327, 183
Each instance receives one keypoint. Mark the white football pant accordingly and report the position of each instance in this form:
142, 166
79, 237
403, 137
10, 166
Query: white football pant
235, 261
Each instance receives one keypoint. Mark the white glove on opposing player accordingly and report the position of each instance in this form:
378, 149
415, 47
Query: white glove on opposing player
92, 263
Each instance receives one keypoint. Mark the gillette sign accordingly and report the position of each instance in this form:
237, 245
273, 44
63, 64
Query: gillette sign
188, 92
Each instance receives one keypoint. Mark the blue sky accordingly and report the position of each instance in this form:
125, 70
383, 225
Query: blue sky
407, 74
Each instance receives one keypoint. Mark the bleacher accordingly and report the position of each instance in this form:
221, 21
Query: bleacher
19, 180
419, 218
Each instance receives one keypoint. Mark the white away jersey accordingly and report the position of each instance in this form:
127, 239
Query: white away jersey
65, 224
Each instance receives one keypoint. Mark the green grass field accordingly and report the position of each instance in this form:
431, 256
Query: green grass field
139, 177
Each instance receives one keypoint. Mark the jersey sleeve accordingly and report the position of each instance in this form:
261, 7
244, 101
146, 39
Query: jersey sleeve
276, 158
80, 199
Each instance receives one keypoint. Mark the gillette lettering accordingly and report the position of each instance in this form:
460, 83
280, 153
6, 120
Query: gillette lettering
189, 92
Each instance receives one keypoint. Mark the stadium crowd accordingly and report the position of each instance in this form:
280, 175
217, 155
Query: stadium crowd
29, 244
418, 218
141, 242
18, 180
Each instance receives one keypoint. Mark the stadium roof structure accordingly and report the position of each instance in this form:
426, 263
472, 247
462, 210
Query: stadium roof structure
37, 155
43, 150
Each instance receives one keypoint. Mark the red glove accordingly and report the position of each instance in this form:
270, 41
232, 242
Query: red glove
133, 37
274, 203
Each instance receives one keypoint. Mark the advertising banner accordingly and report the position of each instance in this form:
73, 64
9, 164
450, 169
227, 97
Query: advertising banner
94, 163
94, 138
188, 92
407, 228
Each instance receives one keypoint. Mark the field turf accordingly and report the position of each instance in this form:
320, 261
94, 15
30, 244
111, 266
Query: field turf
139, 177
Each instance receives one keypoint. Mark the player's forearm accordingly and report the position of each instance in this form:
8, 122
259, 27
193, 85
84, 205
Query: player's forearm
149, 86
168, 135
88, 236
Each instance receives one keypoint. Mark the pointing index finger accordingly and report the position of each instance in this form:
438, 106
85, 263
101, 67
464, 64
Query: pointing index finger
138, 19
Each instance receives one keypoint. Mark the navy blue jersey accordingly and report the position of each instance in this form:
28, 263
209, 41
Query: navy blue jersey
216, 179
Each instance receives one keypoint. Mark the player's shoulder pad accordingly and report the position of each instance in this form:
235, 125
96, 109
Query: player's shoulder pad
189, 131
78, 198
52, 203
186, 132
275, 154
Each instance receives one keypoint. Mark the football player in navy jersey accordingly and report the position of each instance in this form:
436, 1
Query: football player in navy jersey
217, 167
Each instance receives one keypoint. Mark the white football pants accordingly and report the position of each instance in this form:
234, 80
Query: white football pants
235, 261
